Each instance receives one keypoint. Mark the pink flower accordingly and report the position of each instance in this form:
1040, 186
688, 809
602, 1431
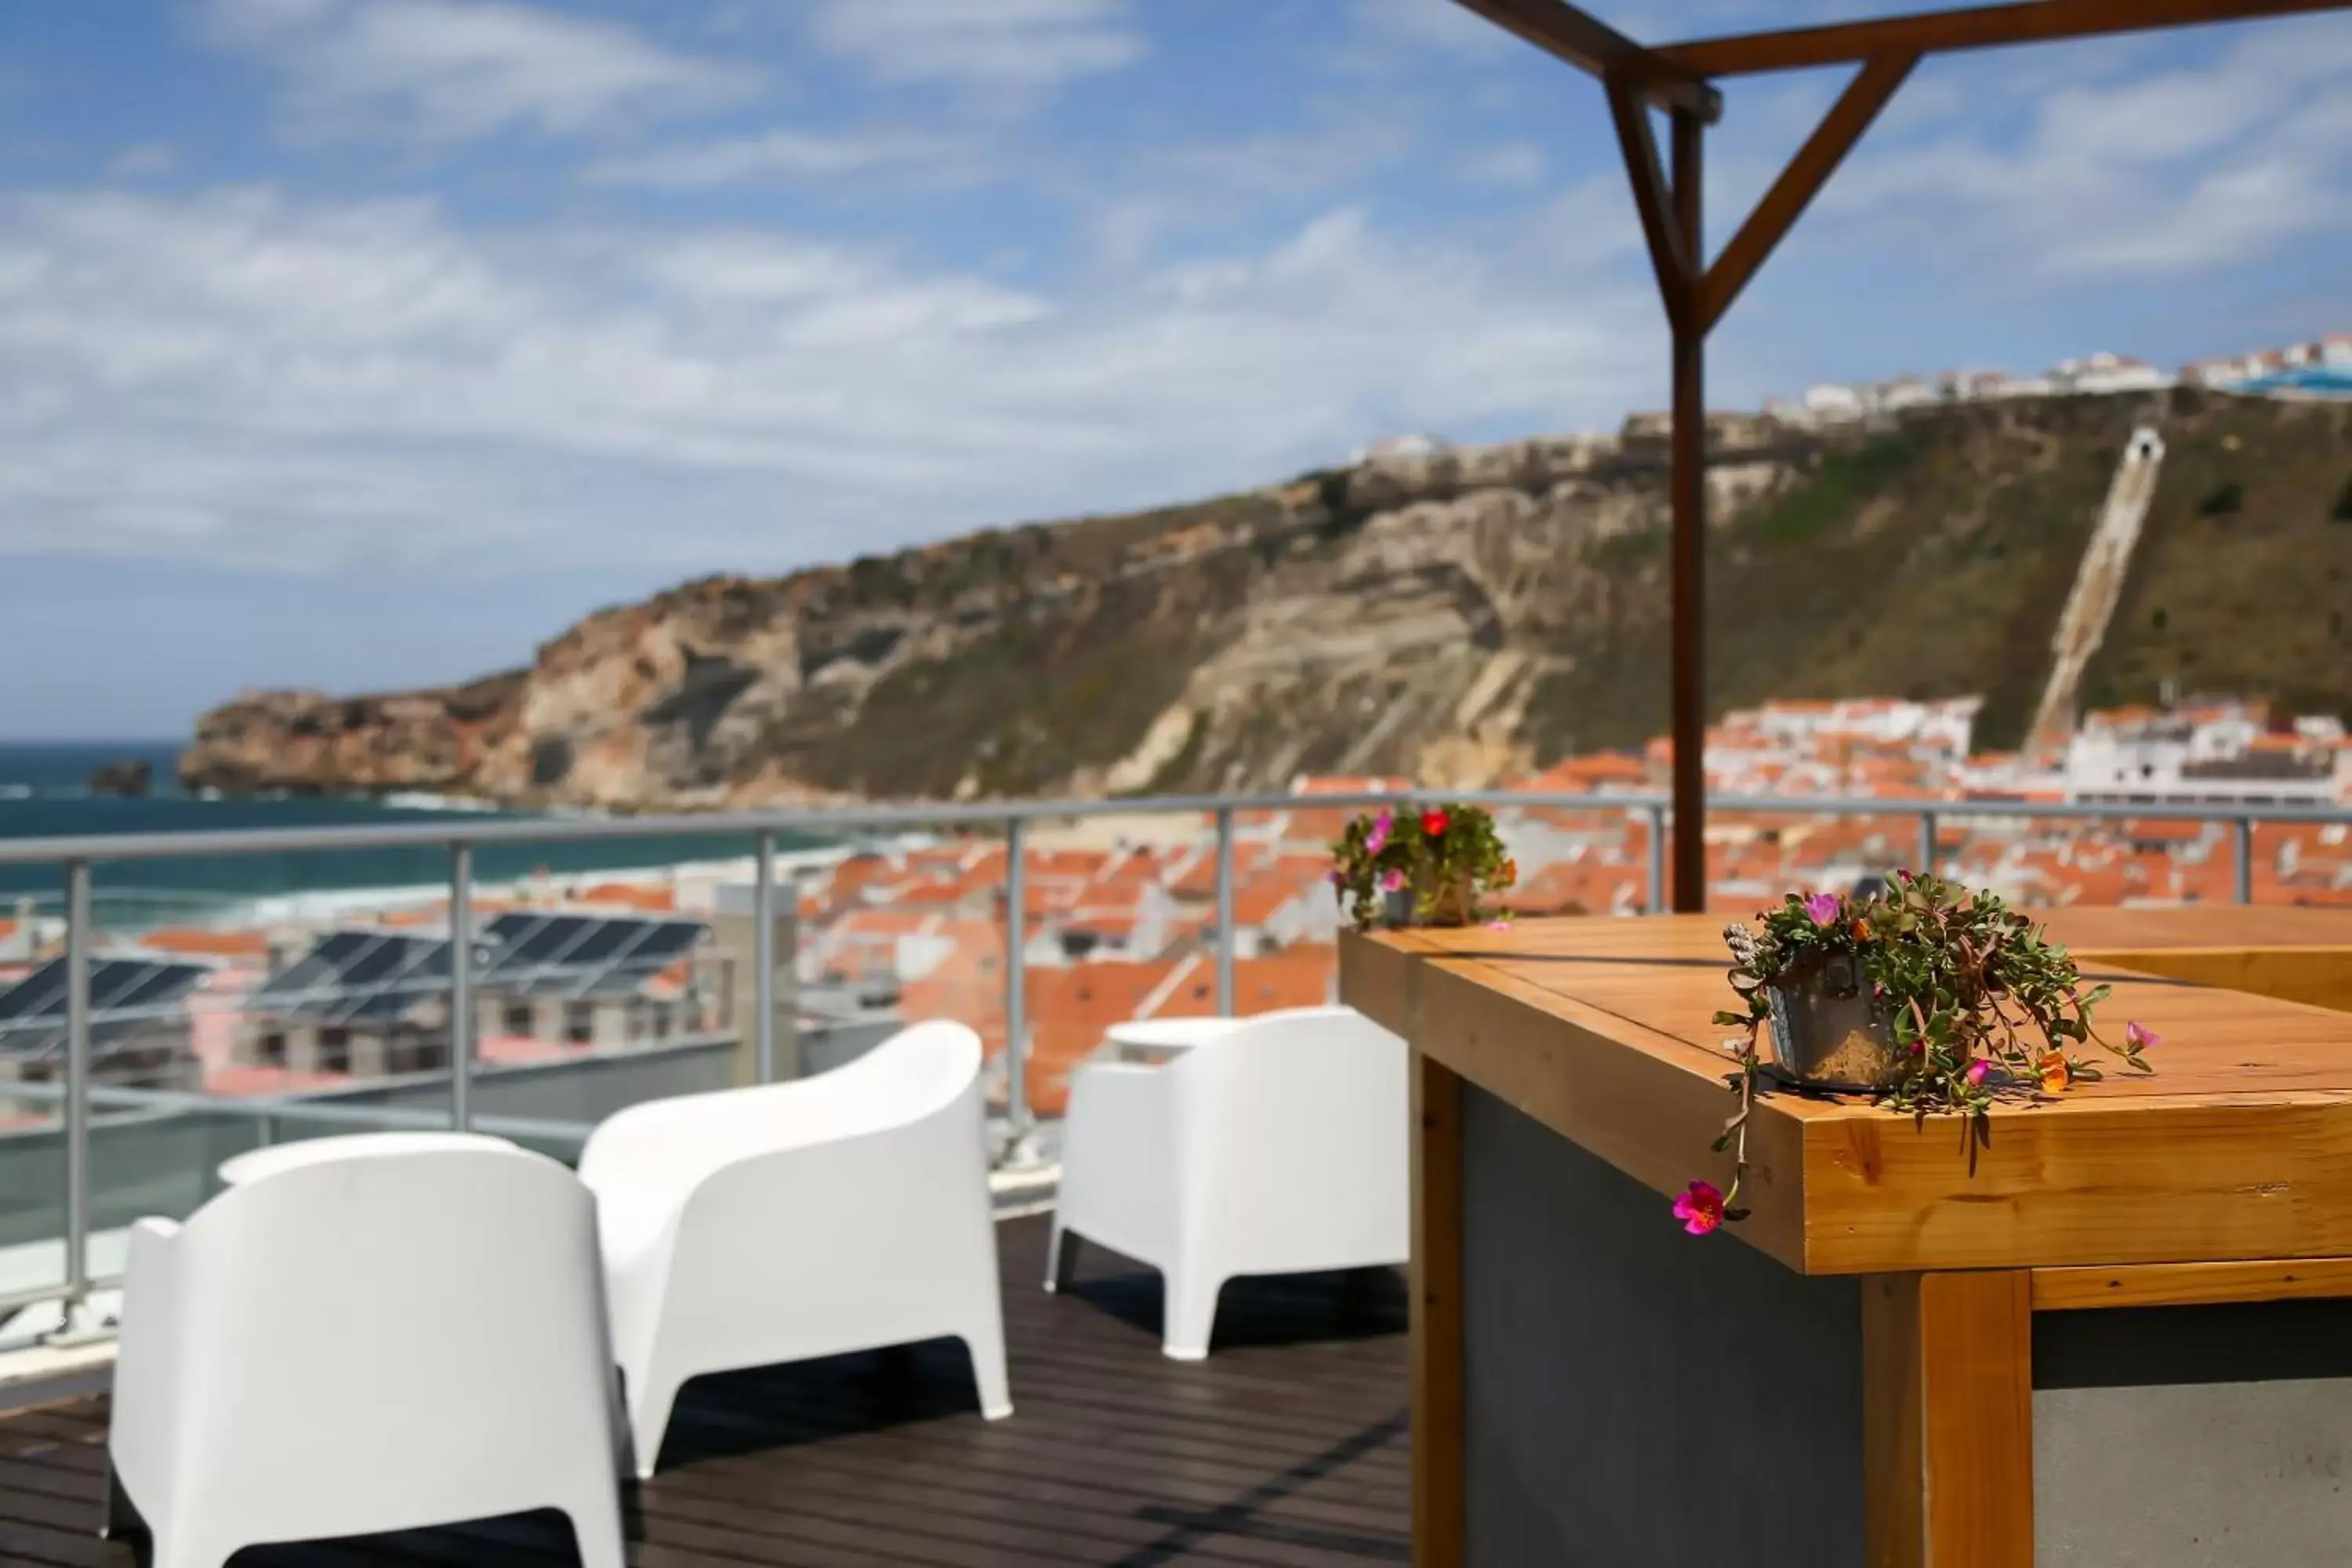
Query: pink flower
1980, 1070
1822, 908
1378, 838
1392, 881
1700, 1209
1338, 878
1504, 923
2139, 1037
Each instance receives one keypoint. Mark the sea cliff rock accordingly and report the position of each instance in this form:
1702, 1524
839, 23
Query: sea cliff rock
306, 742
1454, 616
127, 777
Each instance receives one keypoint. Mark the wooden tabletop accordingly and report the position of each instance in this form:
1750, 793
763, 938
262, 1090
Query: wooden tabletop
2240, 1145
2199, 926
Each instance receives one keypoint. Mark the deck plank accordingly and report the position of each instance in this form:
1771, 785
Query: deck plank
1286, 1447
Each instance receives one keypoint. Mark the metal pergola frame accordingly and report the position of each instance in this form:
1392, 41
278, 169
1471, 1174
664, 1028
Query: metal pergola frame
1680, 81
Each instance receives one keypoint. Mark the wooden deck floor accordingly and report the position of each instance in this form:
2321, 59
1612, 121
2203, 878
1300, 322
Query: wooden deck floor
1287, 1447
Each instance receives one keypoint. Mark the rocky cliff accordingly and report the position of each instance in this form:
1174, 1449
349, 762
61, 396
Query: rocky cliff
1452, 617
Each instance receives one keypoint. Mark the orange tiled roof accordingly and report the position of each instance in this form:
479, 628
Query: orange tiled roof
204, 941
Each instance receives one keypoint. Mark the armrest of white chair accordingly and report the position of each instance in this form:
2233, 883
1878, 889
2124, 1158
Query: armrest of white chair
1119, 1158
146, 1363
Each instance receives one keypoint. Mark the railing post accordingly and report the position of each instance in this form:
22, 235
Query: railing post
1657, 859
1225, 984
461, 987
763, 975
77, 935
1926, 866
2245, 833
1016, 1021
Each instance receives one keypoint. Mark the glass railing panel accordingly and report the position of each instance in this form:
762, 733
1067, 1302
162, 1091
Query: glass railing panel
33, 1158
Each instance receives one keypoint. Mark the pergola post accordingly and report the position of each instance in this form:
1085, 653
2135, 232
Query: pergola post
1689, 500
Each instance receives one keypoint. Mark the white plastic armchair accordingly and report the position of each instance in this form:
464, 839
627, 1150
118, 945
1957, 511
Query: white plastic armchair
383, 1341
838, 1213
1280, 1146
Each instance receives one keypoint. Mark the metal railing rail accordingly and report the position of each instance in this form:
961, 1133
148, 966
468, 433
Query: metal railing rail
1226, 813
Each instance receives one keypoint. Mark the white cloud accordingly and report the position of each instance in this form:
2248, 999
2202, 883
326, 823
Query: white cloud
2119, 173
1504, 164
1431, 24
241, 377
144, 161
1016, 46
449, 70
781, 155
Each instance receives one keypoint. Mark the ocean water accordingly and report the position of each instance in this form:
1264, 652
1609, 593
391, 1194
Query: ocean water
43, 793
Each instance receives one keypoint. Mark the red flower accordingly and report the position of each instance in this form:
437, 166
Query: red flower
1434, 823
1700, 1209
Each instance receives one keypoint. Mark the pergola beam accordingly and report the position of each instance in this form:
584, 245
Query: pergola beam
1599, 49
1672, 256
1799, 184
1976, 27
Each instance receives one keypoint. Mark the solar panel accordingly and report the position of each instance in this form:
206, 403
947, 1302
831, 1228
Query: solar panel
420, 969
659, 944
542, 941
348, 975
668, 940
600, 944
385, 957
150, 985
316, 973
135, 990
36, 991
580, 955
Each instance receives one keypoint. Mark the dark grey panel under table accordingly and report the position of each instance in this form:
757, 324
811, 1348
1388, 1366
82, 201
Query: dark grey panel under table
2214, 1437
1633, 1397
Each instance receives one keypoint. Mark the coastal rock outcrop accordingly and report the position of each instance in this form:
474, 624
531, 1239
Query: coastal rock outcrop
129, 777
1451, 615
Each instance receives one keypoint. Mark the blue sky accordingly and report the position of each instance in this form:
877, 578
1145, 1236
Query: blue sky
351, 343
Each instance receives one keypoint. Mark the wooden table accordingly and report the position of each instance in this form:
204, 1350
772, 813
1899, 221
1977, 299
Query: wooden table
2296, 954
2121, 1335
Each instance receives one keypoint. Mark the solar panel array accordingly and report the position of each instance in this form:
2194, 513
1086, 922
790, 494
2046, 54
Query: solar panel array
581, 956
127, 998
372, 977
356, 977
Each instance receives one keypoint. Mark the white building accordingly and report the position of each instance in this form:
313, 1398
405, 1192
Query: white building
2109, 372
1390, 448
1832, 401
1941, 727
2219, 753
1907, 392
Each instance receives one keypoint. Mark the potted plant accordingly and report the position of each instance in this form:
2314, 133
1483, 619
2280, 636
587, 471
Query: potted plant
1433, 867
1934, 999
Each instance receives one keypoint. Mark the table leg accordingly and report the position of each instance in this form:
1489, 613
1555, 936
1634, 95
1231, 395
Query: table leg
1947, 1420
1436, 1306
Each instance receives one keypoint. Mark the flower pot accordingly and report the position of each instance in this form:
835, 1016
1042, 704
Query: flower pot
1396, 909
1450, 904
1829, 1032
